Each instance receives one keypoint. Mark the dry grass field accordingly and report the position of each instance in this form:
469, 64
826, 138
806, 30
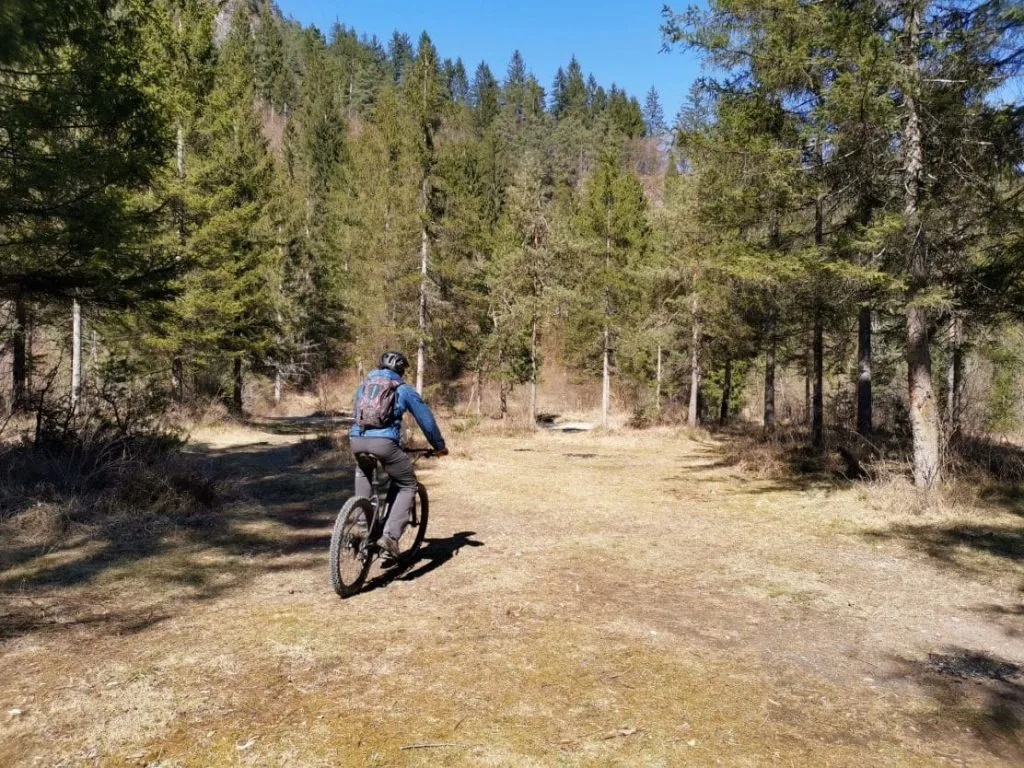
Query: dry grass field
629, 598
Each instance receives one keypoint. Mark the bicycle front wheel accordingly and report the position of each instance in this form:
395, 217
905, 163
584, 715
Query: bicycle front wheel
349, 556
412, 536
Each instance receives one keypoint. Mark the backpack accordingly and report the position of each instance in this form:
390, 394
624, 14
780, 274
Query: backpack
376, 406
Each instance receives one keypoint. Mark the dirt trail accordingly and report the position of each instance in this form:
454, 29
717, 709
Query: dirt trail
582, 599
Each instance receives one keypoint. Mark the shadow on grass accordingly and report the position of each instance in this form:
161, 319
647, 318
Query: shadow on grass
300, 425
179, 557
948, 544
432, 555
977, 691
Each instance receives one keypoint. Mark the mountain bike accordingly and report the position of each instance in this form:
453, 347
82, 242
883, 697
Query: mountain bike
361, 523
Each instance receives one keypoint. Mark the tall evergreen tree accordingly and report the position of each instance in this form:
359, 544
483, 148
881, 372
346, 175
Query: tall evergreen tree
654, 115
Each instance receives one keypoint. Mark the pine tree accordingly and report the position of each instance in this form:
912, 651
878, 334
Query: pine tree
85, 134
485, 96
653, 114
227, 308
400, 55
613, 223
424, 95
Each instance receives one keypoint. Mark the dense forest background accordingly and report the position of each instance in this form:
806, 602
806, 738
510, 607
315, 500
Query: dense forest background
194, 196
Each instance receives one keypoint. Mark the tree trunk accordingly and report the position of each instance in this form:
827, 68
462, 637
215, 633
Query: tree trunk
606, 375
236, 401
818, 398
808, 375
277, 386
533, 374
924, 416
769, 380
421, 350
479, 391
606, 381
76, 353
178, 378
955, 375
657, 386
723, 413
19, 365
864, 397
503, 400
177, 365
692, 413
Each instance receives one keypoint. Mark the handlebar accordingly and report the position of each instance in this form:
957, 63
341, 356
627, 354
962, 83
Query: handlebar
423, 452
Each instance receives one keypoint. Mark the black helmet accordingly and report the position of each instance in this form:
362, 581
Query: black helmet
394, 361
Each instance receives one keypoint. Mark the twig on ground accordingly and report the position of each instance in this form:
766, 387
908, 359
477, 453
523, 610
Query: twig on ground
430, 745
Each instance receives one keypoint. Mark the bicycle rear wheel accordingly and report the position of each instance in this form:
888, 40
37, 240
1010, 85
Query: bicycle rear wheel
349, 558
412, 536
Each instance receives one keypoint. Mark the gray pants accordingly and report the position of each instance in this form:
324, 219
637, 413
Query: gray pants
403, 479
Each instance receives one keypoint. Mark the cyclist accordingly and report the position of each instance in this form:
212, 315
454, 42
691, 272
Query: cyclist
379, 434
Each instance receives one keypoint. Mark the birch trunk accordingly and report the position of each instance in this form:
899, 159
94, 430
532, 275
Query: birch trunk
76, 353
421, 350
277, 386
924, 415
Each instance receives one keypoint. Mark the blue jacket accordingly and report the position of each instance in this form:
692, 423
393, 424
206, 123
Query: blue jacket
406, 399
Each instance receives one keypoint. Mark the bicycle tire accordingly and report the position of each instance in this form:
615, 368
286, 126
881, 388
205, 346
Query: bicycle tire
350, 529
416, 530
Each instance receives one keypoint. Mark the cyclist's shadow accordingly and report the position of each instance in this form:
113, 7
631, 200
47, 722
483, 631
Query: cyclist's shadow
432, 555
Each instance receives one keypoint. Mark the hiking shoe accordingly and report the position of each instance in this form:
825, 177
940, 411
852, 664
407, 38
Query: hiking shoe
389, 546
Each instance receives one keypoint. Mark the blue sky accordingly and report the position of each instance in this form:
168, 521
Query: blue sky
617, 40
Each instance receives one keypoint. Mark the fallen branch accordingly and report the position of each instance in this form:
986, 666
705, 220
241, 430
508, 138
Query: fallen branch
429, 745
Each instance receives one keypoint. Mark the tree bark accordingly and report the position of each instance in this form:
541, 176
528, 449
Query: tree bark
236, 401
606, 374
533, 374
924, 416
692, 414
19, 364
277, 386
177, 365
955, 376
864, 395
769, 380
657, 386
723, 414
808, 375
818, 397
76, 353
421, 350
606, 381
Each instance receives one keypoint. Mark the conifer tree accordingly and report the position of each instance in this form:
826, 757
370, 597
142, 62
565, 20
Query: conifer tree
613, 223
653, 114
424, 96
227, 308
485, 96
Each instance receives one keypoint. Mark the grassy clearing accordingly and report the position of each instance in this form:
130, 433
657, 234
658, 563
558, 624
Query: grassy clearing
595, 599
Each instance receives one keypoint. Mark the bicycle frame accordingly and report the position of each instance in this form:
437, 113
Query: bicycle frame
380, 497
